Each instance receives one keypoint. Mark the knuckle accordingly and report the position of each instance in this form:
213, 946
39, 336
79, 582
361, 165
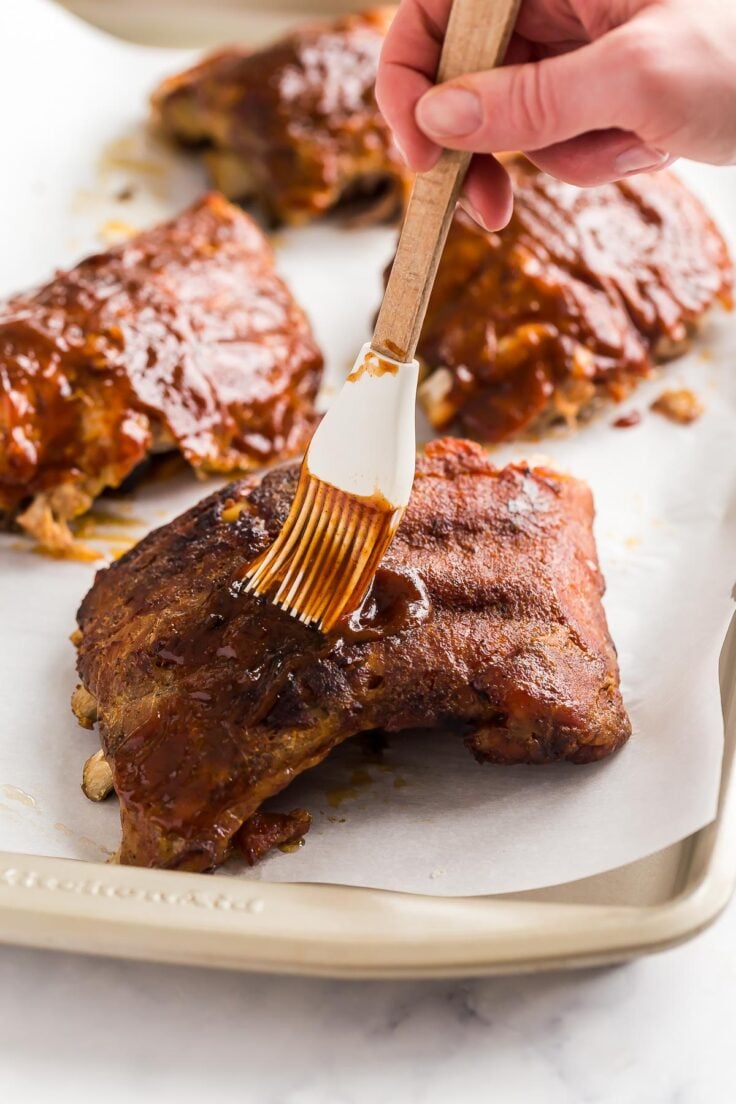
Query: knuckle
531, 102
643, 61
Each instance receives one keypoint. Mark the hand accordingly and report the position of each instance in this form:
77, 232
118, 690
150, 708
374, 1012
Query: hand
590, 90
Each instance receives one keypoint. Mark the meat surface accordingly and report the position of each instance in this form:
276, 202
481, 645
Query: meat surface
485, 619
184, 338
570, 305
680, 405
294, 125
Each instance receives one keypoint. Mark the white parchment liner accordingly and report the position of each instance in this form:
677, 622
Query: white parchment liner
427, 818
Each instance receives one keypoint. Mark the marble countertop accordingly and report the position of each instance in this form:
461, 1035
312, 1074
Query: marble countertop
656, 1031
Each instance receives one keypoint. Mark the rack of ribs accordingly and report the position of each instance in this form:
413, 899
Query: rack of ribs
294, 125
182, 338
570, 305
484, 620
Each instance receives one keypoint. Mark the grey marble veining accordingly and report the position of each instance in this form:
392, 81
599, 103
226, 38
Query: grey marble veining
657, 1031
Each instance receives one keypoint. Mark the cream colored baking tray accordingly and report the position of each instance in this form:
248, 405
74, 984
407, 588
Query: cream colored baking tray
194, 23
336, 931
347, 932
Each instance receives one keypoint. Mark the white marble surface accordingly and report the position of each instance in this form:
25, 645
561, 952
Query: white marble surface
657, 1031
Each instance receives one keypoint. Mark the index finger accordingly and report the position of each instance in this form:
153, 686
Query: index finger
407, 69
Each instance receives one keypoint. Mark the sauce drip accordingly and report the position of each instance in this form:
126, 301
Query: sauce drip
14, 793
80, 553
396, 601
627, 421
373, 365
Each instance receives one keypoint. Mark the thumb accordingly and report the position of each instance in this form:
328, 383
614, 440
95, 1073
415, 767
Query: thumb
529, 106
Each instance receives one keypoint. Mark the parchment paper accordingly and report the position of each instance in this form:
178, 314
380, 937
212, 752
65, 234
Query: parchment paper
425, 817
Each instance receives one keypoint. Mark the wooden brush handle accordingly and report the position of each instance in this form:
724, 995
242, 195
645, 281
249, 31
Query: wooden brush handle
477, 35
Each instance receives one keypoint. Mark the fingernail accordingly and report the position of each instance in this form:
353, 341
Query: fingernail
639, 158
400, 150
468, 206
449, 113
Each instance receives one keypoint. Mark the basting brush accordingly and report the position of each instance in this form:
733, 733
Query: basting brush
358, 471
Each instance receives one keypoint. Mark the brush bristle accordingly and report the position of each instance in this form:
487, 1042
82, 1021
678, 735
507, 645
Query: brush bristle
324, 559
